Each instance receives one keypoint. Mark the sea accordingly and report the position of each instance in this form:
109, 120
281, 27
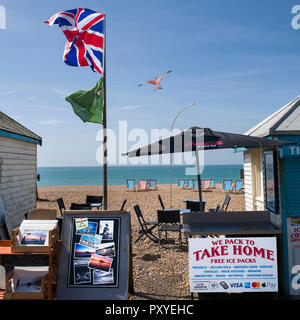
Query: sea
117, 175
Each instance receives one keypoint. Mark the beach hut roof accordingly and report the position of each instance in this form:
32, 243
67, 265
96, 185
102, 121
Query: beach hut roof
10, 128
285, 121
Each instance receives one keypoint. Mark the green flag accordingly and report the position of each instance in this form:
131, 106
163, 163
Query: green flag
88, 105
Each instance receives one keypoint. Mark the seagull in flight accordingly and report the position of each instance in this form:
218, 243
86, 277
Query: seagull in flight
156, 81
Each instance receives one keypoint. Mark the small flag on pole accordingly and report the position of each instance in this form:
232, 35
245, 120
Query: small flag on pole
84, 29
88, 105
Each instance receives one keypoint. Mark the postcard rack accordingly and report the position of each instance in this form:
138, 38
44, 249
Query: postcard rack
6, 250
10, 295
17, 247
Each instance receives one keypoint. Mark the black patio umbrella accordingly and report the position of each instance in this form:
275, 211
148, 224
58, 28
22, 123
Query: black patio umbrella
196, 138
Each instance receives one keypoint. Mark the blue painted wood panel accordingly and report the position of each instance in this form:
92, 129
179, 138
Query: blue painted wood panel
16, 136
289, 171
290, 190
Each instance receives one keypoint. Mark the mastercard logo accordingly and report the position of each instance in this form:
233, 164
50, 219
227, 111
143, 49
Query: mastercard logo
255, 284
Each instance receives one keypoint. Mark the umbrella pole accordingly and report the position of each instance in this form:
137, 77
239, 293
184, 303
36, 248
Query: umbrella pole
199, 180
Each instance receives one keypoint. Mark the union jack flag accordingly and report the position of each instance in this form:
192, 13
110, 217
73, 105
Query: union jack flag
84, 29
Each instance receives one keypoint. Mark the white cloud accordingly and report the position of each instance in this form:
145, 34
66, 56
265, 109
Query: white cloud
8, 92
138, 106
61, 93
52, 122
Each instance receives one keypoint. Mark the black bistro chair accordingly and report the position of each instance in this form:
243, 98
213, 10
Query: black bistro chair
61, 205
169, 221
62, 208
123, 204
224, 205
90, 200
146, 228
193, 206
161, 202
80, 206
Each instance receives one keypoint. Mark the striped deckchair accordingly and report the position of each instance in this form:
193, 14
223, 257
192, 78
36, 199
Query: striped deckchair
227, 184
130, 184
181, 183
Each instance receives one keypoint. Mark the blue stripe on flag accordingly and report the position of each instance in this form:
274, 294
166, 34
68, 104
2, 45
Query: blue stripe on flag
62, 22
72, 57
99, 27
85, 13
73, 11
99, 55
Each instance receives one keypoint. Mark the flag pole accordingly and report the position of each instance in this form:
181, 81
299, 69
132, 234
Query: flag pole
104, 125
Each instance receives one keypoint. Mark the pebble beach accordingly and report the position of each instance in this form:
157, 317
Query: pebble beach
157, 274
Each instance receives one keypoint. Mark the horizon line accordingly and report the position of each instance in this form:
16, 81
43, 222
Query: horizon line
138, 165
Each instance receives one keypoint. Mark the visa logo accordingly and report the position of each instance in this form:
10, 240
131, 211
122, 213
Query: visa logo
236, 285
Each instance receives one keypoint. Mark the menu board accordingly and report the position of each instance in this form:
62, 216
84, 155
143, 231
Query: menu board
94, 258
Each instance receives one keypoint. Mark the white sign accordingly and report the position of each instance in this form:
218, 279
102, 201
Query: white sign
293, 228
233, 264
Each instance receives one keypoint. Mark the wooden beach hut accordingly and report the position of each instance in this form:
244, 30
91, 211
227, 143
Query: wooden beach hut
18, 170
272, 182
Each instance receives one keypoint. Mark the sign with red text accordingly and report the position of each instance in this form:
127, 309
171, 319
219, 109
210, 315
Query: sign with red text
233, 264
293, 229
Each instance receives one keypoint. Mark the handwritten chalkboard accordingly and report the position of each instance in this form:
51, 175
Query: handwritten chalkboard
94, 263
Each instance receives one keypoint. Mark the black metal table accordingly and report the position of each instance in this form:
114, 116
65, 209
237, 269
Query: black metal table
182, 211
229, 223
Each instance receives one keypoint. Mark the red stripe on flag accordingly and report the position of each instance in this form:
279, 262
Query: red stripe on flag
92, 22
67, 48
70, 35
82, 61
77, 16
95, 66
93, 39
58, 16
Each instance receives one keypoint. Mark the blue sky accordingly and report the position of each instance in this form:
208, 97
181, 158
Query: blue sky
238, 60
